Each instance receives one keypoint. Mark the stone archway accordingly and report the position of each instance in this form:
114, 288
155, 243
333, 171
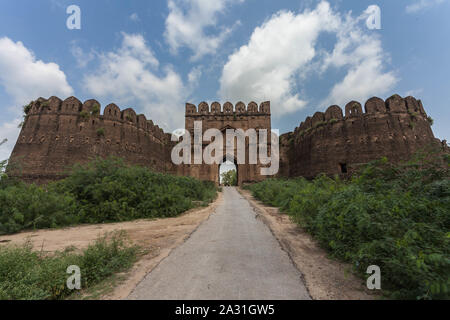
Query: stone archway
229, 117
234, 166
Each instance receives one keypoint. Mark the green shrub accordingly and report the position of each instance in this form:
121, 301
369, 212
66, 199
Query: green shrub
100, 132
25, 206
393, 216
319, 124
27, 108
95, 109
332, 121
27, 274
84, 115
100, 191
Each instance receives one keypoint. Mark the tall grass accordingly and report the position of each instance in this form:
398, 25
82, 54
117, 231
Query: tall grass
30, 275
396, 217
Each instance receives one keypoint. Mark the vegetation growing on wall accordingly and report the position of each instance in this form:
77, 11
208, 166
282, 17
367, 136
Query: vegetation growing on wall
396, 217
101, 132
84, 115
95, 109
100, 191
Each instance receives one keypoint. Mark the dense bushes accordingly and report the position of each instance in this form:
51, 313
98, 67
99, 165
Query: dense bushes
396, 217
28, 274
101, 191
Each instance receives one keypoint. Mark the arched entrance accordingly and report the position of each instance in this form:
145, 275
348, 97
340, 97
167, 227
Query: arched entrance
228, 172
240, 117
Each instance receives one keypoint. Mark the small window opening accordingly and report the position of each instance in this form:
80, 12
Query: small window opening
343, 167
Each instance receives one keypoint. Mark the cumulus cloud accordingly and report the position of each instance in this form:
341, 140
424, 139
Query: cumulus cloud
25, 78
277, 51
285, 48
362, 55
187, 21
421, 5
10, 131
132, 75
83, 58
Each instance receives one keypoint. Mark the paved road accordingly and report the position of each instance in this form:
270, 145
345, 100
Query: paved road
232, 255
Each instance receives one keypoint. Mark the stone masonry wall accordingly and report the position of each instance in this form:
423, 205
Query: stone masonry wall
332, 143
222, 118
57, 134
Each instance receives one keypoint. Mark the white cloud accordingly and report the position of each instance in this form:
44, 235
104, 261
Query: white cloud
82, 58
187, 21
285, 49
25, 78
134, 17
9, 130
132, 75
194, 76
421, 5
267, 66
362, 54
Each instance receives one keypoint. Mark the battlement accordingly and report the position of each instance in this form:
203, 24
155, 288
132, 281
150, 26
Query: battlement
56, 134
333, 143
373, 107
90, 109
228, 109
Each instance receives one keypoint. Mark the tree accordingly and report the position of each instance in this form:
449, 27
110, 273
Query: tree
229, 178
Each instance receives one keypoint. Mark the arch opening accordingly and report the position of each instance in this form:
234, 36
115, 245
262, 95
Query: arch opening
228, 172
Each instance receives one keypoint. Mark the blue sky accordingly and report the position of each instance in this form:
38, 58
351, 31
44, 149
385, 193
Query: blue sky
156, 55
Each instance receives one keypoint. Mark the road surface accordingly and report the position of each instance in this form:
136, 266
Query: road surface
232, 255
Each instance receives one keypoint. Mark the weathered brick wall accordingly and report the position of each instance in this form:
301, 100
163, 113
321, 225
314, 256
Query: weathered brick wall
332, 143
57, 134
231, 117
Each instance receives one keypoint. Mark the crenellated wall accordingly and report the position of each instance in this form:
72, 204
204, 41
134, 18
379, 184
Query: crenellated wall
225, 117
57, 134
331, 143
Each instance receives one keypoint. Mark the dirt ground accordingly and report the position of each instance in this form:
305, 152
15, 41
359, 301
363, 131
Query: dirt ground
325, 279
159, 237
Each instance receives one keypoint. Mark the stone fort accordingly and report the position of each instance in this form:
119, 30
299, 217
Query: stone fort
57, 134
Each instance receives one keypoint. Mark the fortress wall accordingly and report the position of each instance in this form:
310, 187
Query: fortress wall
332, 143
228, 116
57, 134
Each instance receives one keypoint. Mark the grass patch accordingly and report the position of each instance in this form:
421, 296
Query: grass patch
31, 275
393, 216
